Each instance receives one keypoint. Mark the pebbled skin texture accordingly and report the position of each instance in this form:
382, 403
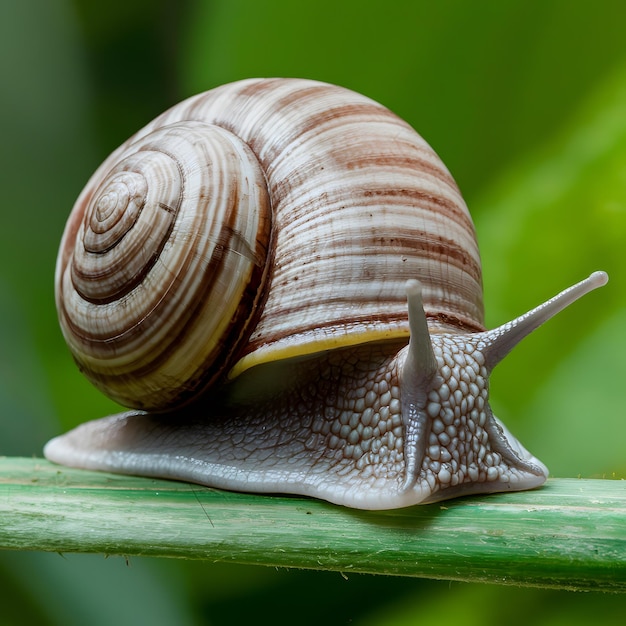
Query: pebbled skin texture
333, 427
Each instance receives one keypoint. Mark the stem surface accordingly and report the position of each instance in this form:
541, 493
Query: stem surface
570, 534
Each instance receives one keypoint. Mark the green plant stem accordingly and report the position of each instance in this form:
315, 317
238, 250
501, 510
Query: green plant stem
570, 534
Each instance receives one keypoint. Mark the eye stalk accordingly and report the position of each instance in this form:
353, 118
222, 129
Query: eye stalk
419, 376
500, 341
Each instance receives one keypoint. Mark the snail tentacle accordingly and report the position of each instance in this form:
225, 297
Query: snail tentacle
501, 340
418, 372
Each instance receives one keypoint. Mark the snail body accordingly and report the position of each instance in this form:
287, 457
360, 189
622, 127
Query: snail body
282, 280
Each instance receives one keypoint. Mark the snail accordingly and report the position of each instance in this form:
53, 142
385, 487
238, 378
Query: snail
281, 281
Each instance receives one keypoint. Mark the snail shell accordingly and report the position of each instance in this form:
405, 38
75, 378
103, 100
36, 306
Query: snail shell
239, 272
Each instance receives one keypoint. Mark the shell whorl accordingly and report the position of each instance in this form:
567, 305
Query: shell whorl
142, 270
359, 205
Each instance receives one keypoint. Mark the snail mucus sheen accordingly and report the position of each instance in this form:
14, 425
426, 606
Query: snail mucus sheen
281, 281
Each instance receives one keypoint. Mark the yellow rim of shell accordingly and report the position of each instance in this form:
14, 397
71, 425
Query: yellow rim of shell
294, 347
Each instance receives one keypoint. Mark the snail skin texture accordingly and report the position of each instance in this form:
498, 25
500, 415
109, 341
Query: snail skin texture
281, 280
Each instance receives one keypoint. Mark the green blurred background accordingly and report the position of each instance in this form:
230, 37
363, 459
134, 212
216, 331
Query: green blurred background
525, 101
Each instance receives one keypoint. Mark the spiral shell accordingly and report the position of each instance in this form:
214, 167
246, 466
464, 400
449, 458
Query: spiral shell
262, 220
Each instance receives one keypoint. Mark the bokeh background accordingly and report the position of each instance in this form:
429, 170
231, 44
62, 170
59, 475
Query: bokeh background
525, 101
